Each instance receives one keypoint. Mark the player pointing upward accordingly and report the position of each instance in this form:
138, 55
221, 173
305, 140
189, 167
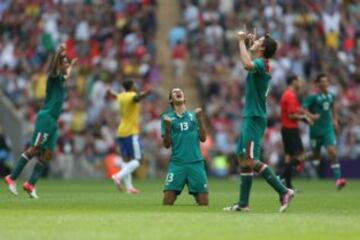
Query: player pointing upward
254, 120
45, 134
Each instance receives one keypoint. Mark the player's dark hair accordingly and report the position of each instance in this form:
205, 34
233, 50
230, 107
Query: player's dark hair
128, 84
270, 46
170, 98
290, 79
319, 77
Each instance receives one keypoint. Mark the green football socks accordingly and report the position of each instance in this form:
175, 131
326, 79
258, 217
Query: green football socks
335, 168
37, 172
20, 164
245, 186
270, 177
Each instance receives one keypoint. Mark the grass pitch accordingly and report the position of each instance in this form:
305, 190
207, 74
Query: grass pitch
94, 210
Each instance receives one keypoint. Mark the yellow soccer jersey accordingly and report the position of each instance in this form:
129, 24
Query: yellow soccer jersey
129, 114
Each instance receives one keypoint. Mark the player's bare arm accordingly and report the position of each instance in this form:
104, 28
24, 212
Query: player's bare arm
69, 68
110, 94
55, 61
334, 117
301, 117
167, 139
245, 57
202, 128
142, 95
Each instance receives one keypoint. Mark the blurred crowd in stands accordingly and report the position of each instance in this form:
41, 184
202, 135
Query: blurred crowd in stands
113, 40
313, 37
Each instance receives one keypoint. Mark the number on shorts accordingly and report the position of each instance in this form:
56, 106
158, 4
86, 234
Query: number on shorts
169, 177
45, 138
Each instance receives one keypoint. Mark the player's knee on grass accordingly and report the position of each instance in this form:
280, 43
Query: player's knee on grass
202, 199
169, 197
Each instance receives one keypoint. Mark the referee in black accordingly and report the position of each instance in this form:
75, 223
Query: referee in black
291, 114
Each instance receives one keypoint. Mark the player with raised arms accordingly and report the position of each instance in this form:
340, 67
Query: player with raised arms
182, 130
45, 135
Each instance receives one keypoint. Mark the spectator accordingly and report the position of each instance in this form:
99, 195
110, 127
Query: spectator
177, 34
178, 57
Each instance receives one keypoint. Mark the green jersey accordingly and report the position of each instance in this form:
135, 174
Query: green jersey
321, 104
184, 136
256, 89
55, 95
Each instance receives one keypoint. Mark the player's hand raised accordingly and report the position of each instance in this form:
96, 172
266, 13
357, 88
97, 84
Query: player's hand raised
250, 38
167, 121
242, 35
74, 62
199, 113
62, 48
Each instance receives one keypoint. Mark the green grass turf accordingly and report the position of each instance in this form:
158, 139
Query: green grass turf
94, 210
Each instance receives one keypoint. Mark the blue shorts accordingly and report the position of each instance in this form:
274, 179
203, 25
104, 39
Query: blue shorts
130, 147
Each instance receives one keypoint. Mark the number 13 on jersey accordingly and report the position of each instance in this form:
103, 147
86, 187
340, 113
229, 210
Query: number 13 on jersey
184, 126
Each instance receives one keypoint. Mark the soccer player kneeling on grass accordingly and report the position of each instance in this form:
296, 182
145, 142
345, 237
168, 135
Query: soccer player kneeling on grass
45, 134
254, 120
183, 130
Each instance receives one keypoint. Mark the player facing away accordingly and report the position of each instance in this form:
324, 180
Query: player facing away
322, 133
291, 114
128, 134
254, 120
183, 130
45, 134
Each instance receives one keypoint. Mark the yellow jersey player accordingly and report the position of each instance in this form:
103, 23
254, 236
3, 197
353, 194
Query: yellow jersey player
128, 133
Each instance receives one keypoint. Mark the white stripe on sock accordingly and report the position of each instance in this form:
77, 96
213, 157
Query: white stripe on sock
335, 165
246, 174
24, 156
264, 166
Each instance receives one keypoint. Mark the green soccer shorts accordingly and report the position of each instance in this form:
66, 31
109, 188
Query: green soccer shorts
251, 138
325, 139
192, 174
45, 134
